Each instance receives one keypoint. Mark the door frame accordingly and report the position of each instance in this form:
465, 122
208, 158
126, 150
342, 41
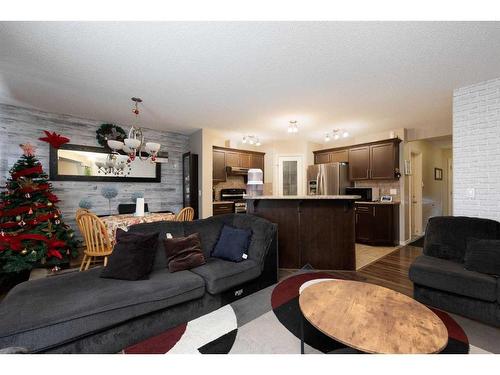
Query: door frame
449, 186
415, 216
300, 172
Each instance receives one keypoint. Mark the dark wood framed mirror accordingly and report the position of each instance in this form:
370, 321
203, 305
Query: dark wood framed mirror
88, 163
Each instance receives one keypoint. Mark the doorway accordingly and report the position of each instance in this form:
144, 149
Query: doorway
416, 195
290, 175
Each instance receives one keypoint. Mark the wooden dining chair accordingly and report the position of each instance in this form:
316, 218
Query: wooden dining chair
186, 214
97, 241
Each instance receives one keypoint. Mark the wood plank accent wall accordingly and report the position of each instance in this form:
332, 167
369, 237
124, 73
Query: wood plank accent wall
20, 125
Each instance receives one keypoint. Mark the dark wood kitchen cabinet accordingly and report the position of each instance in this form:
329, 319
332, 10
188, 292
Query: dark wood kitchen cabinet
322, 158
368, 161
377, 224
359, 163
384, 159
233, 159
245, 160
339, 156
230, 157
219, 166
257, 161
222, 208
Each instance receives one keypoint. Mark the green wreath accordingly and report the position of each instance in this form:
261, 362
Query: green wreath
109, 131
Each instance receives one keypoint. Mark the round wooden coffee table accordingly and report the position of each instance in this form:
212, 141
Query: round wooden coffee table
371, 318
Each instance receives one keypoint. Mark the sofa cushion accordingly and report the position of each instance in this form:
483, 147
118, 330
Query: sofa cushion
221, 275
175, 228
263, 233
132, 257
446, 236
483, 256
42, 313
209, 230
232, 244
184, 253
452, 277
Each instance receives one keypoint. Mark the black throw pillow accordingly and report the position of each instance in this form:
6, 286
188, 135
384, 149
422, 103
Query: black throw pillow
132, 257
233, 244
483, 256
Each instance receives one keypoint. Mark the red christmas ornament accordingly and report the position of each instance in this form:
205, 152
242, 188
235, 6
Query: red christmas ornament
54, 139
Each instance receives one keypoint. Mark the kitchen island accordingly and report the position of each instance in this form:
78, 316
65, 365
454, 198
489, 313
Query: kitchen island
312, 229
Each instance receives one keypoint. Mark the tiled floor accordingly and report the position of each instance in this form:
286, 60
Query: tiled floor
368, 254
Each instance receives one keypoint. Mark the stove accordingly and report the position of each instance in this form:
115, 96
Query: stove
236, 196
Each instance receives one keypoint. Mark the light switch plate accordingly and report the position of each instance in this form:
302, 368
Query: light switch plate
471, 193
393, 191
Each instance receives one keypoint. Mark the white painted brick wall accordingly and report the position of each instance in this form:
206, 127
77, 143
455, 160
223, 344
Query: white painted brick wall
476, 150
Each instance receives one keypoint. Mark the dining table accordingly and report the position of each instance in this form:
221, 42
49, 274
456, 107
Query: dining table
124, 221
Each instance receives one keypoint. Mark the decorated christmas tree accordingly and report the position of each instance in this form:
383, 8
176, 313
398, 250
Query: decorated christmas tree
32, 232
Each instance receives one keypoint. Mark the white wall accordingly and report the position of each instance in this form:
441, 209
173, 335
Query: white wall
476, 150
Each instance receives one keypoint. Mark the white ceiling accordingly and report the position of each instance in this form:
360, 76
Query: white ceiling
249, 77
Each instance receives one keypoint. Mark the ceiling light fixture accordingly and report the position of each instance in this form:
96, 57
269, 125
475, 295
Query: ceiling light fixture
336, 134
134, 143
252, 140
293, 127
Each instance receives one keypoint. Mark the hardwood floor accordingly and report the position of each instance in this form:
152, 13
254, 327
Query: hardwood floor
390, 271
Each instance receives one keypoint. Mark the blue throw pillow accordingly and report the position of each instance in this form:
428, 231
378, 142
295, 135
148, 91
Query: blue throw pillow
233, 244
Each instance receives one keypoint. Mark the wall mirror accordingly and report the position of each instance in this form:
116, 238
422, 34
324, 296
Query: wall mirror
87, 163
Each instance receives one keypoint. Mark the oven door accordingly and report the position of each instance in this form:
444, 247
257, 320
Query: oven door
240, 207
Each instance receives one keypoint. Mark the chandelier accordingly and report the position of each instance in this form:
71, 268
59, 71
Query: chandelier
252, 140
293, 127
115, 165
336, 134
134, 144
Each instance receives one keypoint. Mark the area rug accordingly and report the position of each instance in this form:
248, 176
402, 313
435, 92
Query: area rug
266, 322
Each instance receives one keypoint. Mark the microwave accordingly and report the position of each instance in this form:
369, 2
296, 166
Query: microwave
368, 194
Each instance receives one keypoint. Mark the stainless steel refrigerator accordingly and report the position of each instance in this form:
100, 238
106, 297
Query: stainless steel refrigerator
327, 179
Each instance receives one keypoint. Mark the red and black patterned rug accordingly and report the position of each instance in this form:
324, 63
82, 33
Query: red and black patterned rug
263, 323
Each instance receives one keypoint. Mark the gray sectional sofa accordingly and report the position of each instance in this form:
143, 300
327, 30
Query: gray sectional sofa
82, 313
440, 278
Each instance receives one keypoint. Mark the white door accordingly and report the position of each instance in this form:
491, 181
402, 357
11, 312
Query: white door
290, 175
416, 194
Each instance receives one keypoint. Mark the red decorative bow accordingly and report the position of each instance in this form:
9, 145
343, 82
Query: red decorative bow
55, 140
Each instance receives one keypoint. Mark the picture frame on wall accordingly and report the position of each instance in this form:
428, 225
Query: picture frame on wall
438, 174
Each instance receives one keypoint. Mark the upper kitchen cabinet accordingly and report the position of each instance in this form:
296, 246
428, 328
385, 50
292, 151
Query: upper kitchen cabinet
367, 161
219, 165
329, 156
341, 156
229, 157
322, 158
233, 159
245, 160
359, 163
257, 161
384, 159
